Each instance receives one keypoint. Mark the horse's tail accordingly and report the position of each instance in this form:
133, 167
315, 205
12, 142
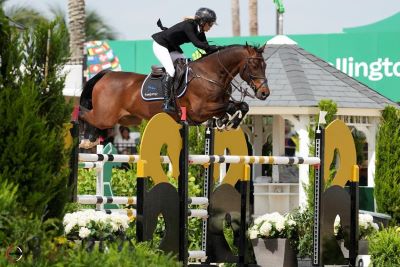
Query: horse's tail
86, 96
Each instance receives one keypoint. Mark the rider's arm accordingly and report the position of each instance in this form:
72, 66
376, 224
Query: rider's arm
194, 39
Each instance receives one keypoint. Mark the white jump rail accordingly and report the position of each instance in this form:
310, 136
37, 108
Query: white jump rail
204, 159
91, 199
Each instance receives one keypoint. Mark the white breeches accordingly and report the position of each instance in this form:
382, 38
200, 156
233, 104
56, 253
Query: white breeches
166, 58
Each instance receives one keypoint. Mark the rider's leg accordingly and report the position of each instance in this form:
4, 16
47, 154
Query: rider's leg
165, 59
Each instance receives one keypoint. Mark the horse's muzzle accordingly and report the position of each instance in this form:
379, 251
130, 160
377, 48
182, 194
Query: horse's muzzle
263, 91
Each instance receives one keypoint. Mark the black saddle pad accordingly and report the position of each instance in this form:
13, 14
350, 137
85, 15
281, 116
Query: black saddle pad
152, 87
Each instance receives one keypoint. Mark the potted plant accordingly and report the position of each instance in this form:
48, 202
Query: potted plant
302, 239
366, 227
270, 236
94, 226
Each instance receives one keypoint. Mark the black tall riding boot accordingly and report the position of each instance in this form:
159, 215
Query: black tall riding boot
169, 104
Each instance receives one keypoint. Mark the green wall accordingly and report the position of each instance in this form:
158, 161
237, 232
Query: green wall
371, 58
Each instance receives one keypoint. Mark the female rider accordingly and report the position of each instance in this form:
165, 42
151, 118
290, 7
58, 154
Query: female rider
166, 46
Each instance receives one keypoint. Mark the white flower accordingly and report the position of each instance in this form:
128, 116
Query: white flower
365, 224
84, 232
272, 222
290, 222
68, 228
265, 229
336, 225
280, 225
253, 234
84, 222
70, 218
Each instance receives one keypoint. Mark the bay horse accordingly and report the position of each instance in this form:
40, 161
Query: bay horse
115, 97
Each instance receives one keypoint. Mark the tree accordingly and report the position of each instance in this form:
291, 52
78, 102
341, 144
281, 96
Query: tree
76, 15
96, 28
253, 17
235, 17
33, 113
387, 173
25, 15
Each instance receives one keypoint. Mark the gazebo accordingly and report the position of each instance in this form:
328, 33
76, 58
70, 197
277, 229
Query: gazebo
298, 81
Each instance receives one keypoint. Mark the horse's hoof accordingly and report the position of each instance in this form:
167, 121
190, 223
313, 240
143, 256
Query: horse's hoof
87, 144
220, 125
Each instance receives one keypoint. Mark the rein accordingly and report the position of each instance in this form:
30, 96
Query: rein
237, 85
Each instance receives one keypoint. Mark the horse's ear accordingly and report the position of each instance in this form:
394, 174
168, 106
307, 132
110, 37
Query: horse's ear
247, 45
262, 48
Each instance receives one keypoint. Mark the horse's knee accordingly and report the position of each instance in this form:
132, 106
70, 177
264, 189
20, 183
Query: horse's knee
244, 107
231, 108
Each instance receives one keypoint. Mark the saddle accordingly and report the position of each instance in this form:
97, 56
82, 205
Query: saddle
152, 88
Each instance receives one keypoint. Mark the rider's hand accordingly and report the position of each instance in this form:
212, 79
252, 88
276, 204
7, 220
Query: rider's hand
212, 48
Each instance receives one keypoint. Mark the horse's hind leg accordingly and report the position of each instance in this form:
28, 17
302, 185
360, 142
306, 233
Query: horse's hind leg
88, 134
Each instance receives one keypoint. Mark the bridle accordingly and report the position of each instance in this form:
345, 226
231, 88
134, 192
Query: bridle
236, 84
252, 77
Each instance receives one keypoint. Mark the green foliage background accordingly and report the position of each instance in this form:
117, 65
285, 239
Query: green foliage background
33, 112
384, 247
387, 173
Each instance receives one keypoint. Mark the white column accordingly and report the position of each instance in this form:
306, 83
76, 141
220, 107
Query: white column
258, 142
370, 135
304, 151
278, 143
301, 127
371, 139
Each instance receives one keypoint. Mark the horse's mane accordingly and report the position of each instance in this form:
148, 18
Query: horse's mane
257, 47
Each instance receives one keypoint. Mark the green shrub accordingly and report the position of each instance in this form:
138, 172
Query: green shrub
87, 182
123, 182
387, 173
384, 247
331, 108
69, 254
302, 241
33, 112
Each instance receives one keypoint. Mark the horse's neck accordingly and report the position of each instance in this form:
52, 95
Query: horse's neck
224, 65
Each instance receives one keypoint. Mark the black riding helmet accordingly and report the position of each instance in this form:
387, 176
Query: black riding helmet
205, 15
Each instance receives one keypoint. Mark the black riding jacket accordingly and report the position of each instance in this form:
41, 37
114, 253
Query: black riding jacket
181, 33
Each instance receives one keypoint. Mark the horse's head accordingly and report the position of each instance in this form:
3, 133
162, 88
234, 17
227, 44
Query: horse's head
253, 71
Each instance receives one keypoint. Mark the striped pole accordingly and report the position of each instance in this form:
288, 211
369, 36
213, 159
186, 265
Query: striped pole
198, 201
89, 165
90, 199
108, 157
131, 213
204, 159
199, 213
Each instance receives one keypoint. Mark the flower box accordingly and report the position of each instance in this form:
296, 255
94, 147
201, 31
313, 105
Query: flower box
274, 252
91, 225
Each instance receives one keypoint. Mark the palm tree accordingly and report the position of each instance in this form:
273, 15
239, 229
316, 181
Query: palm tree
253, 18
25, 15
235, 17
96, 29
76, 15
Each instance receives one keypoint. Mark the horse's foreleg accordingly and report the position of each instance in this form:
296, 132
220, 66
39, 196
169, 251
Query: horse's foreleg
234, 115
